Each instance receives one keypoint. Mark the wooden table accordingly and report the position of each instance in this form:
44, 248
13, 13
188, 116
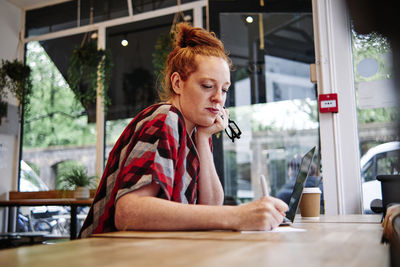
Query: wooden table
350, 218
71, 202
344, 243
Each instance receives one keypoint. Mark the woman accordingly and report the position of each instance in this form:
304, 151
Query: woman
162, 164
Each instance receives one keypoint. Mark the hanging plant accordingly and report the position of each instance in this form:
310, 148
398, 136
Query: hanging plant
14, 77
165, 43
88, 67
162, 48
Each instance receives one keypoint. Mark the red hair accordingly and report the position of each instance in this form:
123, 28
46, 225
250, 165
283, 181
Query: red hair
189, 42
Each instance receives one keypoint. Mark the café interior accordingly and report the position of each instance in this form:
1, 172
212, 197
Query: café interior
306, 73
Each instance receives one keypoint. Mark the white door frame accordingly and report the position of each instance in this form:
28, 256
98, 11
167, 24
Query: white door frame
339, 135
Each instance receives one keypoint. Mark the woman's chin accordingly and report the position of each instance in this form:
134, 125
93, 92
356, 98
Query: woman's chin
207, 123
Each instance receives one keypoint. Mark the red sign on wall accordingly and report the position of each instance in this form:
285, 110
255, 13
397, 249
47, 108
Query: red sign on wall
328, 103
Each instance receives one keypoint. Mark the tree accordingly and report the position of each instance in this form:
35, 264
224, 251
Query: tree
55, 118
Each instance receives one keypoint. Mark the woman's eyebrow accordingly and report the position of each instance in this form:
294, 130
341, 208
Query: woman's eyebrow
208, 78
215, 81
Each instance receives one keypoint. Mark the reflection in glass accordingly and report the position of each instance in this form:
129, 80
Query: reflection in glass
272, 101
137, 70
377, 113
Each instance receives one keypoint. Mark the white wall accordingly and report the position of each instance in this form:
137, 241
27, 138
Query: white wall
10, 21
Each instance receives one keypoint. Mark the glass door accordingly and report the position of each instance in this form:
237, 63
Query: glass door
271, 99
377, 113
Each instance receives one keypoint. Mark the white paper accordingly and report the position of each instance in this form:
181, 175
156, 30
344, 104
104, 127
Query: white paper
377, 94
278, 229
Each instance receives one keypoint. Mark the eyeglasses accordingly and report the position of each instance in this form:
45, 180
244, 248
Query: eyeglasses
232, 131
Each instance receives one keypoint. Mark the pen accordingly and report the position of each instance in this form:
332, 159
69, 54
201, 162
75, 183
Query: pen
264, 185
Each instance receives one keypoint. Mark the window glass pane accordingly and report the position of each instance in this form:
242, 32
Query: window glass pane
150, 5
65, 15
376, 112
136, 74
56, 127
272, 101
51, 18
103, 10
57, 134
368, 170
387, 163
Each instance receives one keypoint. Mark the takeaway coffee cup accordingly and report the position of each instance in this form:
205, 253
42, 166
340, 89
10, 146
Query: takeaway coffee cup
310, 202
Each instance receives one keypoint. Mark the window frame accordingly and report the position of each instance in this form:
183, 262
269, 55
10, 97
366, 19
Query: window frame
339, 139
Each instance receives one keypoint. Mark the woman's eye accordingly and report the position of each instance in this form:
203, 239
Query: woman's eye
207, 86
225, 90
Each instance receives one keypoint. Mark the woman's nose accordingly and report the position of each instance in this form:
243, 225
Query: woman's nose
218, 96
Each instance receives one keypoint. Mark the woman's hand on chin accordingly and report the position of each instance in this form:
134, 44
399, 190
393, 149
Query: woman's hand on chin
220, 123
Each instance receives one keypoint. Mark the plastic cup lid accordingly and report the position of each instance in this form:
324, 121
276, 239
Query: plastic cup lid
310, 190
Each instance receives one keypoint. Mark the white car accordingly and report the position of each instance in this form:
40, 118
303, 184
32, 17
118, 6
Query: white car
381, 159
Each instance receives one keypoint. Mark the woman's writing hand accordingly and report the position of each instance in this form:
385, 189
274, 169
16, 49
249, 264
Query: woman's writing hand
263, 214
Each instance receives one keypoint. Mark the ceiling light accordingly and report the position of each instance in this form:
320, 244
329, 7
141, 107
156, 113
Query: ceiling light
124, 41
249, 19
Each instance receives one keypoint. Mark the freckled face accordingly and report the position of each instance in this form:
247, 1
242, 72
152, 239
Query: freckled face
202, 96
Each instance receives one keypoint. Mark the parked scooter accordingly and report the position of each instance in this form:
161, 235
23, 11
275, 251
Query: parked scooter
53, 220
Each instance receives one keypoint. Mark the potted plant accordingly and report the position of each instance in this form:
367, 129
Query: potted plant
78, 179
15, 77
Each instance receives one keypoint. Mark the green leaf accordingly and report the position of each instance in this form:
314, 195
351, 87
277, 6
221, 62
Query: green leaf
76, 176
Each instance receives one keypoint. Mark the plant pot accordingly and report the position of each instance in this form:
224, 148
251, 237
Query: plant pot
81, 192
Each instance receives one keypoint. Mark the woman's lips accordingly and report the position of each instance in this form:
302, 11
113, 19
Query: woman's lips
214, 111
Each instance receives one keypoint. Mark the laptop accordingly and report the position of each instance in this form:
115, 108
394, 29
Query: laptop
301, 178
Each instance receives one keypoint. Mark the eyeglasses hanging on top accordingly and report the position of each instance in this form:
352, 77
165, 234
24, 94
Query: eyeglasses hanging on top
232, 131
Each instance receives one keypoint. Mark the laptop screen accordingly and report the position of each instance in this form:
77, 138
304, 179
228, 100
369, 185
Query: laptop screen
299, 185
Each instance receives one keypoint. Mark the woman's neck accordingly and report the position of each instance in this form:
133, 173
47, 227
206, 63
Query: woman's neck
189, 125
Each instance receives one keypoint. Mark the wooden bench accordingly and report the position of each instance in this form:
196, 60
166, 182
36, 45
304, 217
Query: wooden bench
51, 194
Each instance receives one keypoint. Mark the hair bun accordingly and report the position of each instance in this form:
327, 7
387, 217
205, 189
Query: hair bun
183, 35
189, 42
189, 36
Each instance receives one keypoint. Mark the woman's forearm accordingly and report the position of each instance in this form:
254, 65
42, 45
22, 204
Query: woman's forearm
138, 212
150, 213
210, 188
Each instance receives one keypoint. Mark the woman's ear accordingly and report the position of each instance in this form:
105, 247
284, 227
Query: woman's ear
177, 83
